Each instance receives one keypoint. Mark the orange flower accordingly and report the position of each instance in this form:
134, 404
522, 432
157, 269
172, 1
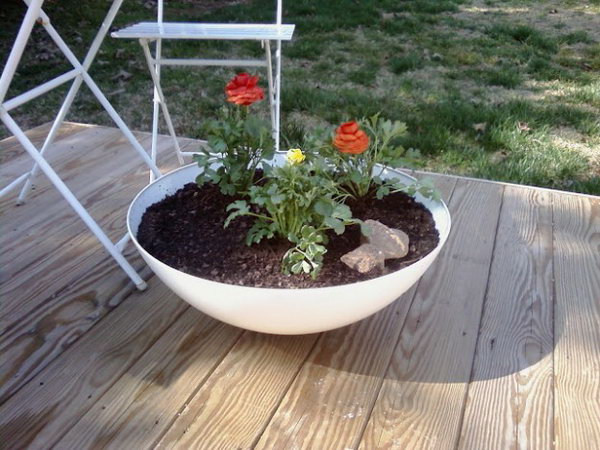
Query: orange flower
351, 139
242, 90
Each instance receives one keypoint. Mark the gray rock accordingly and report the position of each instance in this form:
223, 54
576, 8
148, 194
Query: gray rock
381, 244
364, 258
391, 241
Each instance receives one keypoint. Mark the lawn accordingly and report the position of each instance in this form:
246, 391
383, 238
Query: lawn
499, 89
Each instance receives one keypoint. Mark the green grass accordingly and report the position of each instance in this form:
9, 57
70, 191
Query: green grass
511, 96
525, 35
405, 63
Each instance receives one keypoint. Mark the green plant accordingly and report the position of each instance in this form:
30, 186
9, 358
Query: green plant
360, 159
297, 202
237, 142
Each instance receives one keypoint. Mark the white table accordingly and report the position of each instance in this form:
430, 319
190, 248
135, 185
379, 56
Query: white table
78, 75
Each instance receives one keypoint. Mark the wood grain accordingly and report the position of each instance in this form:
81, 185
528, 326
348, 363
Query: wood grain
421, 402
236, 402
10, 147
39, 337
106, 200
330, 401
75, 153
52, 402
56, 289
577, 322
510, 400
144, 402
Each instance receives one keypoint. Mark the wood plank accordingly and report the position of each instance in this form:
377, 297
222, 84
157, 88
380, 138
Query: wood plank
237, 401
56, 289
330, 400
25, 225
421, 402
47, 407
329, 403
577, 322
417, 402
510, 400
11, 148
89, 152
36, 339
168, 374
79, 143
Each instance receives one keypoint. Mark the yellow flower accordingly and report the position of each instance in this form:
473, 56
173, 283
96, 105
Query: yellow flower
295, 156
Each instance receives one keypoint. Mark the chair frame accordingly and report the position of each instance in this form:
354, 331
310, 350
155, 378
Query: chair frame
156, 61
79, 75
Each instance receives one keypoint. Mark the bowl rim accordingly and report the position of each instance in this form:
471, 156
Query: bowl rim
146, 254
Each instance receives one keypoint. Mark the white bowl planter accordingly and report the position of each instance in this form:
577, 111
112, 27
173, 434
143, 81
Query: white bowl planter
282, 311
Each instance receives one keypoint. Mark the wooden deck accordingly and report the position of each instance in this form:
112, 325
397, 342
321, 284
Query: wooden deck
497, 347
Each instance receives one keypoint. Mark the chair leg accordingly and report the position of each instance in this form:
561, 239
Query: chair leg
155, 109
268, 55
72, 200
277, 94
68, 101
32, 14
161, 98
98, 93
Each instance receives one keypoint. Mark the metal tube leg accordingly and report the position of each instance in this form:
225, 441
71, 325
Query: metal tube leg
155, 110
98, 93
68, 101
32, 14
72, 200
277, 94
51, 136
270, 81
154, 147
161, 97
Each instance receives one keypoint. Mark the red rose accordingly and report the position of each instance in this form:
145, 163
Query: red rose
349, 138
242, 90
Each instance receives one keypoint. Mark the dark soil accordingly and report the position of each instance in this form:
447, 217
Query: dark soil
185, 231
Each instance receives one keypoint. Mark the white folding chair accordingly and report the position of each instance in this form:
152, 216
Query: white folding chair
79, 75
146, 32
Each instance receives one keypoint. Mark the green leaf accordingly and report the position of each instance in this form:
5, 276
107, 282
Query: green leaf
382, 191
324, 208
335, 224
278, 198
342, 211
239, 207
356, 176
258, 231
297, 268
202, 160
306, 267
267, 168
306, 231
227, 189
201, 179
218, 145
